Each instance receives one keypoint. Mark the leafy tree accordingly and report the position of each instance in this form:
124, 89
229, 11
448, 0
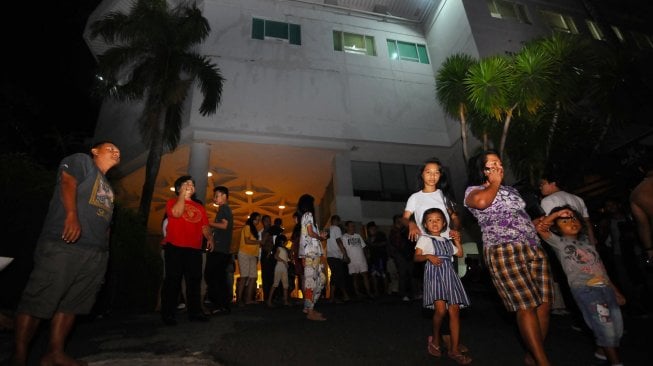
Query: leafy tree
500, 86
452, 94
154, 60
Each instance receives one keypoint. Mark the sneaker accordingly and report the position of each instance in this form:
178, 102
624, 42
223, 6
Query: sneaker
181, 306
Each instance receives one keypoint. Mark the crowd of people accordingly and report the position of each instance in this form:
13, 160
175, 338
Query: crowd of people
532, 257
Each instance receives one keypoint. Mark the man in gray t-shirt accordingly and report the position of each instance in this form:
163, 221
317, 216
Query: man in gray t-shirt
220, 262
72, 253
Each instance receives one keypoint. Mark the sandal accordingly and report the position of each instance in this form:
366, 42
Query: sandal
460, 358
433, 349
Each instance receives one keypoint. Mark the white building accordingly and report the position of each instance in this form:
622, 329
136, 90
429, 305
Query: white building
335, 98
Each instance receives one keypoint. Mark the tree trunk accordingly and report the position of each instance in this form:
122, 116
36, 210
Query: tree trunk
552, 129
463, 131
151, 171
504, 134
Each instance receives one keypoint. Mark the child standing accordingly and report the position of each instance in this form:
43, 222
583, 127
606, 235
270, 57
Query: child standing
596, 296
354, 245
443, 290
281, 269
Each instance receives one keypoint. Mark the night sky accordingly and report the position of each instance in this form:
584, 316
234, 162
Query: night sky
46, 108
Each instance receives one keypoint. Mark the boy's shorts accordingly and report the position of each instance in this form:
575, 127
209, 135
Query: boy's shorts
66, 278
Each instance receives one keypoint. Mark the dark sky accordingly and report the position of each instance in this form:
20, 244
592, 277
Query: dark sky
47, 77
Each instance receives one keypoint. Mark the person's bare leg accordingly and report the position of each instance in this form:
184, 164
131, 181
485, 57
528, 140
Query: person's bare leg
240, 290
612, 353
454, 327
529, 328
543, 316
60, 328
285, 296
438, 314
366, 283
251, 291
269, 302
26, 326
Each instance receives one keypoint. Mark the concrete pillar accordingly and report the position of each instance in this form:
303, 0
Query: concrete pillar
346, 204
198, 168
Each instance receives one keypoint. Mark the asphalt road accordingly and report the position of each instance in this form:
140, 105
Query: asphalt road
384, 331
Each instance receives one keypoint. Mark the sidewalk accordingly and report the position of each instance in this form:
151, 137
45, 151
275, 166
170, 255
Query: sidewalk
384, 331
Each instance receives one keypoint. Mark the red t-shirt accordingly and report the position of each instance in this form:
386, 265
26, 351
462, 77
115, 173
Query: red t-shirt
186, 231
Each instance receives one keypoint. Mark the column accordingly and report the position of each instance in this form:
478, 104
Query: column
198, 168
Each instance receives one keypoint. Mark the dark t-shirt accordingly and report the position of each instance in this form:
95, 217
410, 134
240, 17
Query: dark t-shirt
94, 203
222, 237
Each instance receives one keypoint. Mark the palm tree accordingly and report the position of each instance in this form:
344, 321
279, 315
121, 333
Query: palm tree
451, 91
153, 60
503, 85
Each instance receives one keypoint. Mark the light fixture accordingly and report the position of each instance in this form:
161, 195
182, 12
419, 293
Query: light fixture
209, 174
281, 207
172, 189
249, 193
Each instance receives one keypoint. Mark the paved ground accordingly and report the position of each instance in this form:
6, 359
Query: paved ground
385, 331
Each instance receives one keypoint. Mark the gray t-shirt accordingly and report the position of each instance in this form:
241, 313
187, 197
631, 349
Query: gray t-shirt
580, 261
222, 237
94, 203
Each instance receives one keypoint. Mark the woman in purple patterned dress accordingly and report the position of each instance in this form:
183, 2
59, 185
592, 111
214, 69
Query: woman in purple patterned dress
512, 251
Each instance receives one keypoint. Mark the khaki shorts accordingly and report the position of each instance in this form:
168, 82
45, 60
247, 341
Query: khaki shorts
66, 278
247, 265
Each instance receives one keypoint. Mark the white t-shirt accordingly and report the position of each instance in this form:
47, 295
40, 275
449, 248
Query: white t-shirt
354, 245
333, 251
419, 202
562, 198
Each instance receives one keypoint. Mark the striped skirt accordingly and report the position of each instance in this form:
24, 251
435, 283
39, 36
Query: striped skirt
442, 283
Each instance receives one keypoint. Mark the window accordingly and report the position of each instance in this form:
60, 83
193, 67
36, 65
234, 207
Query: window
374, 181
406, 51
595, 30
559, 22
642, 40
353, 43
503, 9
269, 29
617, 32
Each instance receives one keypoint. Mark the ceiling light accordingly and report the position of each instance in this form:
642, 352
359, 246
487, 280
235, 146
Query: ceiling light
209, 174
281, 207
249, 193
172, 189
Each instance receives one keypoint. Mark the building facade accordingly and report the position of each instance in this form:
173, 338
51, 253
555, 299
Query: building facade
334, 98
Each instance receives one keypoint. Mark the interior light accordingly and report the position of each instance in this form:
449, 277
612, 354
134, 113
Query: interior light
172, 189
249, 193
281, 207
209, 174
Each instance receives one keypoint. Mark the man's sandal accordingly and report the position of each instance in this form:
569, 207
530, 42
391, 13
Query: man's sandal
460, 358
433, 349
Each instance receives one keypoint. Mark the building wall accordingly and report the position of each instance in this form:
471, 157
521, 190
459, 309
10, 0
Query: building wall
275, 88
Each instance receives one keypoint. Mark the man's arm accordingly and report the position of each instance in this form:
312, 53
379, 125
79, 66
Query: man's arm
643, 228
222, 224
72, 230
206, 231
342, 248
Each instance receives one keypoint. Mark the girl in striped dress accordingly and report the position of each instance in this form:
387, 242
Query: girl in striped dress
443, 291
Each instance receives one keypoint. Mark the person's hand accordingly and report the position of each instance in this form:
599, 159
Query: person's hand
455, 235
413, 231
210, 245
494, 175
435, 260
72, 230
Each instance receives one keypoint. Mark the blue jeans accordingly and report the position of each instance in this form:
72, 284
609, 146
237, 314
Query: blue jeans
601, 313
